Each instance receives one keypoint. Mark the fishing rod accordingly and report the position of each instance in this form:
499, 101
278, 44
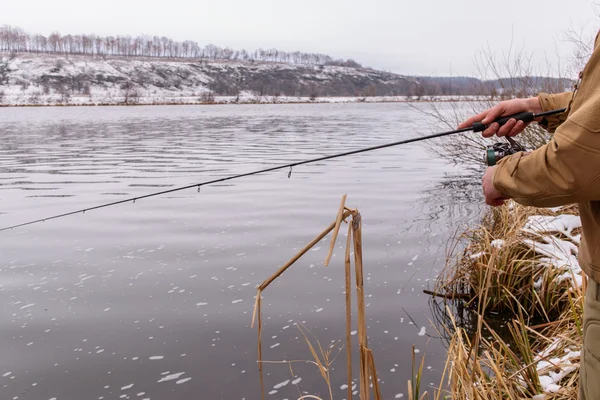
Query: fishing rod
476, 127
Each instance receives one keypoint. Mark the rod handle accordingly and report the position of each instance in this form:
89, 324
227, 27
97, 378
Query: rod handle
522, 116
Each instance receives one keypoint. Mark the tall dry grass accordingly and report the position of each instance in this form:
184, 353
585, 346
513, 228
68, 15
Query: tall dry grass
494, 275
497, 271
487, 366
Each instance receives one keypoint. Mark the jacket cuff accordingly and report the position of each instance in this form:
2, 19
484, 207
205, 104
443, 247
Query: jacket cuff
508, 179
552, 102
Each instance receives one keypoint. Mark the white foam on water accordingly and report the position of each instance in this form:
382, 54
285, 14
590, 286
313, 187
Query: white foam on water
237, 301
27, 306
282, 384
423, 331
272, 392
296, 381
156, 357
179, 382
127, 387
399, 396
318, 310
171, 377
201, 304
275, 345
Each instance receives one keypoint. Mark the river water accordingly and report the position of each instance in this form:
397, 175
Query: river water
153, 300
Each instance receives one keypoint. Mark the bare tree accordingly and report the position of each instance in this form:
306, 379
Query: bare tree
507, 77
14, 39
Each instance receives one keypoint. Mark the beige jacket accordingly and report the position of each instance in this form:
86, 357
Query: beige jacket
567, 169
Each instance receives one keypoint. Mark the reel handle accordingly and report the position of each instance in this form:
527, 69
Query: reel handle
522, 116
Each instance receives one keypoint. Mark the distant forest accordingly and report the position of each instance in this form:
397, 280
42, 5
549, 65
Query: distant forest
17, 40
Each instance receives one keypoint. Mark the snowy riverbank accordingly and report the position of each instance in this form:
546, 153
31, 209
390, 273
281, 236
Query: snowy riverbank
106, 99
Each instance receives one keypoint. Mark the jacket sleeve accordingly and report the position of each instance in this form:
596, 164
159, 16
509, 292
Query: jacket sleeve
552, 102
564, 171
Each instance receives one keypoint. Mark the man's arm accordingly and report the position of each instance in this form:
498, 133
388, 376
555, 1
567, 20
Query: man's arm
564, 171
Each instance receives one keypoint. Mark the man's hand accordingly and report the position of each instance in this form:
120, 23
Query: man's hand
492, 196
508, 107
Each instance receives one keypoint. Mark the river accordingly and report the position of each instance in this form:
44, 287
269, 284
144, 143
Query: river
153, 300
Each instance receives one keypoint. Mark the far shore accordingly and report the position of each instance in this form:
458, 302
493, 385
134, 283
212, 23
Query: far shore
52, 101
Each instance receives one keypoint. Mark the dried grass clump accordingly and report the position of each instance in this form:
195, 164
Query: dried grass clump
540, 362
499, 270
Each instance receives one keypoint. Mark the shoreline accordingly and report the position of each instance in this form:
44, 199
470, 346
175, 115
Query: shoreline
265, 100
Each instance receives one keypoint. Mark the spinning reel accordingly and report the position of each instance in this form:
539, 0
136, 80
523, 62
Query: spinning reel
498, 151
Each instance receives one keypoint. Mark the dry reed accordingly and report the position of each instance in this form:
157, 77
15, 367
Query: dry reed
322, 358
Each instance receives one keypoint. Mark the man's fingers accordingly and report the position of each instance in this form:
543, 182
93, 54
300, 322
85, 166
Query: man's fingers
518, 128
495, 201
473, 119
493, 113
507, 127
490, 130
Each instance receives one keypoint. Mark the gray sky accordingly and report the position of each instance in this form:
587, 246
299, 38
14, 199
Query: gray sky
417, 37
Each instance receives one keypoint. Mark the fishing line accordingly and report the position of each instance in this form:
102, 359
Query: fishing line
476, 127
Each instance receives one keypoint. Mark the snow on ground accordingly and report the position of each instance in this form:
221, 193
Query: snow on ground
556, 251
41, 79
553, 238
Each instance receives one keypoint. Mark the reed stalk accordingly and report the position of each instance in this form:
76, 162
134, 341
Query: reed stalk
322, 357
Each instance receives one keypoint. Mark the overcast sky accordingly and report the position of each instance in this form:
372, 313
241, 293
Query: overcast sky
417, 37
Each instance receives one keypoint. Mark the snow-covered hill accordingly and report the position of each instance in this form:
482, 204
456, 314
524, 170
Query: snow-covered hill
50, 79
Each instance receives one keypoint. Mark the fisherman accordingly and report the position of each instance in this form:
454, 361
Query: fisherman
564, 171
